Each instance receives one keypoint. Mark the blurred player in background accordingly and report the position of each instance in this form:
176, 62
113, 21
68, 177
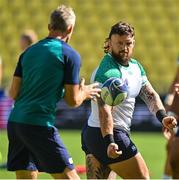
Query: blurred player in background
44, 70
27, 38
106, 137
171, 94
172, 106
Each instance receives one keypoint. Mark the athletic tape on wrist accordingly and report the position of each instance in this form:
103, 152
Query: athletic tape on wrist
160, 114
108, 139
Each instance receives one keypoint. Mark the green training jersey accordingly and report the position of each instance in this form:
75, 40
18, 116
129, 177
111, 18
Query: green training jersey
44, 68
135, 77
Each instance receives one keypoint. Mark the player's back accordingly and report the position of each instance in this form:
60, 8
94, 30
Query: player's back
43, 67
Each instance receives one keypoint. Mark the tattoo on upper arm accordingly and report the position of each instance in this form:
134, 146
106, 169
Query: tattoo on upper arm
95, 170
151, 98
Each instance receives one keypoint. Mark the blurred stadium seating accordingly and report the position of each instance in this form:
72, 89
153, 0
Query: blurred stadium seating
70, 118
5, 108
156, 23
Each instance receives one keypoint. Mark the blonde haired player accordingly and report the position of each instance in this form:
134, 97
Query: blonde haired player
43, 72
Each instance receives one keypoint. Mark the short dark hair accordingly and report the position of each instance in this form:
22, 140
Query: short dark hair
120, 28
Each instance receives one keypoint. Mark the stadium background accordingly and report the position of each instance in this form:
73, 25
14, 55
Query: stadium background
156, 25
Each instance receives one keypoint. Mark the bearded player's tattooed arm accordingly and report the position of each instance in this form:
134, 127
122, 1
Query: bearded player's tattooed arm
151, 98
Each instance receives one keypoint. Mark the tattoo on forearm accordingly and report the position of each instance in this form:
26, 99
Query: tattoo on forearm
105, 117
151, 98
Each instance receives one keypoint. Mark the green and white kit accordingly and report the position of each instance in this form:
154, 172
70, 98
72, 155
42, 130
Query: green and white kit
136, 78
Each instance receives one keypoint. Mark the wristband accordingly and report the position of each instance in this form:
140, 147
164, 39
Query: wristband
108, 139
160, 114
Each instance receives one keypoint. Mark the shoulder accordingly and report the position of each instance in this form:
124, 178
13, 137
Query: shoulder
135, 61
107, 69
69, 52
32, 48
139, 65
21, 56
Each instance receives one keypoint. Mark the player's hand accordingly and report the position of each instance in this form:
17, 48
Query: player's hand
113, 151
167, 133
169, 122
90, 91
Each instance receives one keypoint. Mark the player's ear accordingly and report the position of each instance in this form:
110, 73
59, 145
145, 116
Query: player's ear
109, 42
69, 29
134, 42
49, 27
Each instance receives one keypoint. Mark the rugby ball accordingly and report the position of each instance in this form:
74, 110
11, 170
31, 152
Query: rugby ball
114, 91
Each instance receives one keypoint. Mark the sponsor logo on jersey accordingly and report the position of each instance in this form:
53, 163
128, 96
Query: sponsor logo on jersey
134, 148
70, 160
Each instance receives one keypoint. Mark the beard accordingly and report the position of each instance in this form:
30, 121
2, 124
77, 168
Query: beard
122, 57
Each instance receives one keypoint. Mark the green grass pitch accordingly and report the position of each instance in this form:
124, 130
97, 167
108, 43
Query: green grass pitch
151, 146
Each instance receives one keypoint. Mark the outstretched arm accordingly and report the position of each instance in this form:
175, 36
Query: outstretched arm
154, 103
77, 93
151, 98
